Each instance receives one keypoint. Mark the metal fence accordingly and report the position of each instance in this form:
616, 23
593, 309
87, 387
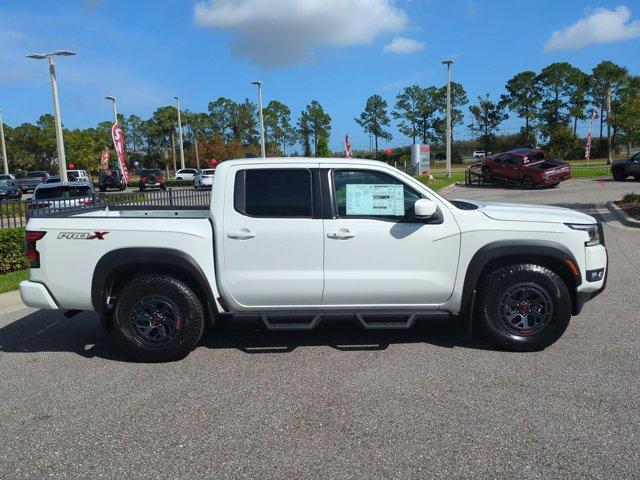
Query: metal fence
14, 214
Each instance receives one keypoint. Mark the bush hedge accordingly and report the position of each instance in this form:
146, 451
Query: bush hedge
12, 250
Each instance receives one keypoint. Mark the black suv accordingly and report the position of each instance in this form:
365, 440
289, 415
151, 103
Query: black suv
111, 179
621, 169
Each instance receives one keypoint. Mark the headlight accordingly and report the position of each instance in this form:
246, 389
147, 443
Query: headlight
592, 230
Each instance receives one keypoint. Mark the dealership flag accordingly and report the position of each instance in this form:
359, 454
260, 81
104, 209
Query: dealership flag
587, 150
118, 143
347, 147
104, 159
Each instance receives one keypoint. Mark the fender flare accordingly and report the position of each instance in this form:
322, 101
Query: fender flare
510, 248
116, 259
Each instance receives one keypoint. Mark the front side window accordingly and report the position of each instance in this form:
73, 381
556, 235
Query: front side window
273, 193
366, 193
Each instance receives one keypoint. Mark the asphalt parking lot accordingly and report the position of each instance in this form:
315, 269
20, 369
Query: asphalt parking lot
338, 402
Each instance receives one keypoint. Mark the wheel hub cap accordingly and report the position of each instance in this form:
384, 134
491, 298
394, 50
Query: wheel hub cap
155, 319
525, 308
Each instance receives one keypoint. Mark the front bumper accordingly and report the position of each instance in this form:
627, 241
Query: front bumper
584, 296
36, 295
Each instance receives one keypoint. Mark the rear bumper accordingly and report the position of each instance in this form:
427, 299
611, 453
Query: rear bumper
36, 295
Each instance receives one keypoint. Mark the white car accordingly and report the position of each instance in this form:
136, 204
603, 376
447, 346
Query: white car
479, 154
186, 174
78, 176
204, 179
293, 240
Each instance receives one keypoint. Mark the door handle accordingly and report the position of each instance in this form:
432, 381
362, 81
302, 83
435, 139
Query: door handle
242, 234
341, 234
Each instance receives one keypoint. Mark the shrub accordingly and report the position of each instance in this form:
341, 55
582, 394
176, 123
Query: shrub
631, 198
12, 250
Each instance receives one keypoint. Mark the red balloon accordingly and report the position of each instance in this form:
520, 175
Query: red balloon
388, 151
71, 166
213, 162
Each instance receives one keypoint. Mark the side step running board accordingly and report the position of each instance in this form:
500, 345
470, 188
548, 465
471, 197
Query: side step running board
301, 325
370, 320
381, 324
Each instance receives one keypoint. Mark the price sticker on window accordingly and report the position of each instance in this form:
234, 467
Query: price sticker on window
370, 199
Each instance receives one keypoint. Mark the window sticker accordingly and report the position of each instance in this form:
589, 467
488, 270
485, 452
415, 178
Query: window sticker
383, 200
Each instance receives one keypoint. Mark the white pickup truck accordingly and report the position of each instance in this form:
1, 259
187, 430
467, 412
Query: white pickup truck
291, 241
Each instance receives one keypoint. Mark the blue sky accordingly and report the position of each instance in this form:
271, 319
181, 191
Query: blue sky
337, 51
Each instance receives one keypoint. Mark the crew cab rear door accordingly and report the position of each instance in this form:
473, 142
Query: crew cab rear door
376, 253
273, 236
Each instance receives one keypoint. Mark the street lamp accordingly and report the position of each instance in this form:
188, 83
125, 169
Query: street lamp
113, 105
258, 83
4, 149
448, 63
180, 133
62, 161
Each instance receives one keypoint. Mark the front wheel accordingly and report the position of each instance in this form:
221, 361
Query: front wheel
158, 318
527, 182
523, 307
618, 174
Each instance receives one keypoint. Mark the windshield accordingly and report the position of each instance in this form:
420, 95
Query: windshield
63, 193
3, 184
5, 177
208, 172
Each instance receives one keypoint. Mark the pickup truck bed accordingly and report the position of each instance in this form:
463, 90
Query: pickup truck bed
292, 240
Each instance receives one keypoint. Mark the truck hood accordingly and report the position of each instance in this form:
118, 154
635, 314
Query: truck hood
521, 212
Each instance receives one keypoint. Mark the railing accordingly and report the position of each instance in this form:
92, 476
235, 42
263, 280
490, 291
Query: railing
14, 214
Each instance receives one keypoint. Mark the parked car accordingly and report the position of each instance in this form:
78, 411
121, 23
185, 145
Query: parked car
152, 178
187, 174
9, 192
53, 179
479, 154
9, 179
621, 169
111, 179
204, 179
78, 176
59, 196
32, 179
290, 240
441, 156
526, 166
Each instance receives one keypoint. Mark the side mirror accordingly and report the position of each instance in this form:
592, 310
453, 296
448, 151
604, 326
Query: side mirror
425, 208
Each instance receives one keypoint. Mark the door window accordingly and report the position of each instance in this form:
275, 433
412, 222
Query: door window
274, 193
371, 194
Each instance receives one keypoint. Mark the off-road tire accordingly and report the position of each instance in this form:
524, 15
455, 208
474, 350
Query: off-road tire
527, 182
618, 174
492, 288
189, 312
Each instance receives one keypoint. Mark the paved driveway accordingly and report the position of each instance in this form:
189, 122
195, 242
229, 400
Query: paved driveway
338, 402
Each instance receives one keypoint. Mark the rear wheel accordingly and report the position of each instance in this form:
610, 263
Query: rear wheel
158, 318
618, 174
527, 182
523, 307
142, 188
486, 174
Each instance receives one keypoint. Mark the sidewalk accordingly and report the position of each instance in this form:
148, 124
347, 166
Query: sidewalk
11, 302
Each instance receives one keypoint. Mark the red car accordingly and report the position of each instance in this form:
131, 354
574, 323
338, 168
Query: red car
152, 178
526, 166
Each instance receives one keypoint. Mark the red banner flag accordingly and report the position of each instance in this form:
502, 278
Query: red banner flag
104, 159
347, 147
587, 150
118, 142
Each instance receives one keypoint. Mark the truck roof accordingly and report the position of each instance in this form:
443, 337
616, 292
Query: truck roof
298, 160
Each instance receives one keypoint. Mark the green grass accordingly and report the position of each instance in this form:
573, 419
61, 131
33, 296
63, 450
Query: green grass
590, 172
440, 180
9, 281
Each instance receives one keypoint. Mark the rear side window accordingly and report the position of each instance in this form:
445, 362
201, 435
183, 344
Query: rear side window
274, 193
63, 192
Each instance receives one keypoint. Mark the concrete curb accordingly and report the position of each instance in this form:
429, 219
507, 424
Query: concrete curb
11, 302
448, 188
622, 216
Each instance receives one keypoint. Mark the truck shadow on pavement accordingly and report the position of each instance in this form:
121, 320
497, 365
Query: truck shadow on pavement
46, 331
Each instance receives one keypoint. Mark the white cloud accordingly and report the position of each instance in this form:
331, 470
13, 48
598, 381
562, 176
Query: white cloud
403, 46
273, 33
603, 26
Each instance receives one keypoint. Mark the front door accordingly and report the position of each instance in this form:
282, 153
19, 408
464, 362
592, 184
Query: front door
273, 238
376, 252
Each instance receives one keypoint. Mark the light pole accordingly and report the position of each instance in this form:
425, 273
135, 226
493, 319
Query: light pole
113, 105
4, 149
258, 83
448, 64
180, 133
62, 161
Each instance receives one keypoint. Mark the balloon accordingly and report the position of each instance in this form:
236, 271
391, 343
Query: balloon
213, 162
388, 151
71, 166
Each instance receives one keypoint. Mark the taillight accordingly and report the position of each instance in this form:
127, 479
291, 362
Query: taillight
30, 239
86, 201
144, 179
160, 180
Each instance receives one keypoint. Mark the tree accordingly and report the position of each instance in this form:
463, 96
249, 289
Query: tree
246, 123
277, 124
487, 115
165, 119
427, 107
628, 115
608, 78
197, 125
374, 119
458, 99
323, 148
316, 124
556, 82
523, 97
562, 141
578, 97
407, 109
132, 133
304, 132
82, 149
